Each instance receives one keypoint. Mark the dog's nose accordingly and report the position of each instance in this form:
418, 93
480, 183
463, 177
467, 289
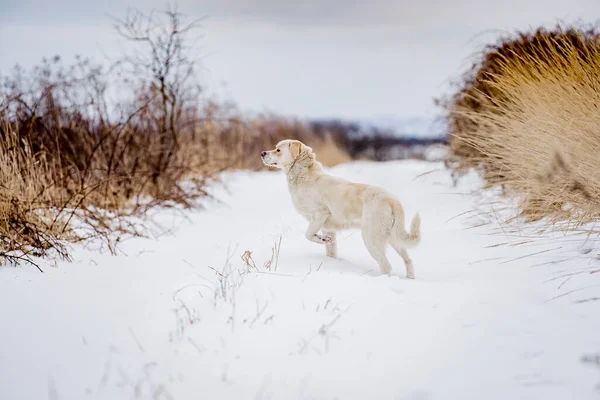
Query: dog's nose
264, 153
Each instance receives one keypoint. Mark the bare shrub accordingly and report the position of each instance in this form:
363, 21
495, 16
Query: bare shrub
527, 116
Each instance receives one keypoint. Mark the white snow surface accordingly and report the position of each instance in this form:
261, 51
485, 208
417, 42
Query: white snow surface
493, 313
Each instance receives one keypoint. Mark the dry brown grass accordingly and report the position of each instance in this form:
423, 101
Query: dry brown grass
529, 117
42, 210
68, 180
29, 222
237, 143
330, 153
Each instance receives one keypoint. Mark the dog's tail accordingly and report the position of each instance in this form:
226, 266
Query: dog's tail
403, 238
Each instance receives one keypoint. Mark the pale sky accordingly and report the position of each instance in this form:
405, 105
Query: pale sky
337, 58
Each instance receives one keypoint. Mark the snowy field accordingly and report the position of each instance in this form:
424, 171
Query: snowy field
492, 314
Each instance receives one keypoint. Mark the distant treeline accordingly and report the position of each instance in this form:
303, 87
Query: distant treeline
375, 143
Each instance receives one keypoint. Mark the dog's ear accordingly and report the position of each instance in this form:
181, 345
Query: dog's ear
305, 148
295, 149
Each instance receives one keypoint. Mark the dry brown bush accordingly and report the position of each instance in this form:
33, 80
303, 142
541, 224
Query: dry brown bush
42, 210
73, 170
528, 117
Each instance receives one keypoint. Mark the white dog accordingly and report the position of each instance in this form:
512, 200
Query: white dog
331, 204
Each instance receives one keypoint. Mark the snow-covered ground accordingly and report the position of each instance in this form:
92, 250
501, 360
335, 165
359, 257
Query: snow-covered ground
491, 315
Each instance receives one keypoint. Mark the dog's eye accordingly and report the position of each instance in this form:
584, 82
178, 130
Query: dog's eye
278, 150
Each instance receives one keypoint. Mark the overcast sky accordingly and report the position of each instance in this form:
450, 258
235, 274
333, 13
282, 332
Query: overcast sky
336, 58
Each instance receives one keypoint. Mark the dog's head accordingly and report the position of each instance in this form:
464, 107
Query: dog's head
285, 153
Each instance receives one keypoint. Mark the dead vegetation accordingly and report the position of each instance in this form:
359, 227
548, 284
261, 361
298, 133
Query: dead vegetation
236, 142
269, 264
527, 116
75, 169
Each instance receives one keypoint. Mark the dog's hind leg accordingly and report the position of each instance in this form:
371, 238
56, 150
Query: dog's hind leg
331, 247
377, 250
376, 226
410, 271
373, 235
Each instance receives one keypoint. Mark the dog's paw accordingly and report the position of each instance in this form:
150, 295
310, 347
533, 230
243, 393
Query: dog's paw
323, 238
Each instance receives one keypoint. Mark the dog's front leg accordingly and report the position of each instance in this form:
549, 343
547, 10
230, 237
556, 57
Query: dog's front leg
331, 247
314, 227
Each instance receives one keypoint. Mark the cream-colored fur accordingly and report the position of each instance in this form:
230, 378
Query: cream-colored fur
331, 204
